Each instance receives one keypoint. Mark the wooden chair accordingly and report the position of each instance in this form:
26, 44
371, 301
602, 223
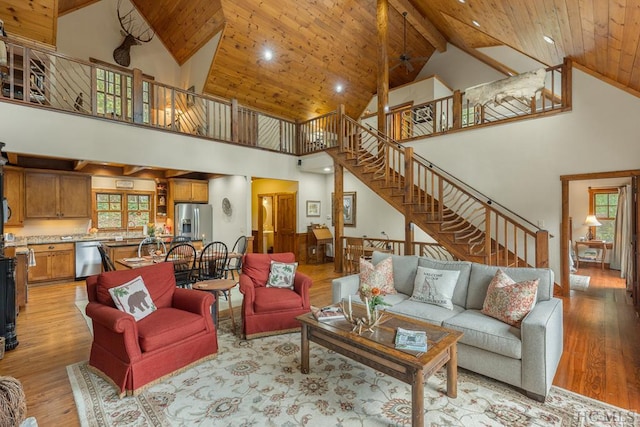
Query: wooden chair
353, 250
183, 257
107, 263
235, 264
150, 245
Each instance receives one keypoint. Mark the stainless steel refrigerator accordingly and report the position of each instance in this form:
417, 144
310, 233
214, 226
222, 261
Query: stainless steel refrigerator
194, 220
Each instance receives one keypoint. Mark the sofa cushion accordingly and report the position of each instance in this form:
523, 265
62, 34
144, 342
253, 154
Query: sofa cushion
258, 266
404, 270
275, 299
435, 286
481, 276
509, 301
281, 274
167, 326
379, 276
427, 312
133, 298
487, 333
464, 267
158, 278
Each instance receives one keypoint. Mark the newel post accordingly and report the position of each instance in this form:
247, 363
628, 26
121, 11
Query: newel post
341, 128
137, 104
457, 109
234, 120
542, 249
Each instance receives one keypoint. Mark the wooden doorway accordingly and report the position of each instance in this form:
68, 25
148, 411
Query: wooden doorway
277, 221
566, 232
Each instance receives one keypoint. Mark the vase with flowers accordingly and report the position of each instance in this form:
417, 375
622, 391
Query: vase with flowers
372, 298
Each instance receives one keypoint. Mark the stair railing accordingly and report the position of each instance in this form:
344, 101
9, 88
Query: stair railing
489, 232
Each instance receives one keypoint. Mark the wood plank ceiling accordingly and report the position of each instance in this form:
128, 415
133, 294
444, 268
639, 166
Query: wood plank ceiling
320, 43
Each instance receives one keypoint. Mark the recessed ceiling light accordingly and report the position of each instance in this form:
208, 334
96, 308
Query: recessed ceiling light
327, 169
548, 39
339, 88
476, 23
268, 54
462, 1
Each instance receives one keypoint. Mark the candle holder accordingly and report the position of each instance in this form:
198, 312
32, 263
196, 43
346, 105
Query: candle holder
372, 318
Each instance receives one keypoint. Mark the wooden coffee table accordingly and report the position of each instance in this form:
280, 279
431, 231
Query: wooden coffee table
376, 350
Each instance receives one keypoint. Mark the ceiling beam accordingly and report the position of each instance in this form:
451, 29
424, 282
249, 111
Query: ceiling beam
130, 170
421, 23
171, 173
13, 158
80, 164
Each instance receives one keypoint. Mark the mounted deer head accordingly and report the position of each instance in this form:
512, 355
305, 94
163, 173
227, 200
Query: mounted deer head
134, 34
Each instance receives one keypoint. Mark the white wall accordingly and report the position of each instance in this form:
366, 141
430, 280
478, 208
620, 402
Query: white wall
227, 228
458, 69
94, 32
196, 69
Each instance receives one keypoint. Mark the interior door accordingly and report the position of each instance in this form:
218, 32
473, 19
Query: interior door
285, 232
635, 258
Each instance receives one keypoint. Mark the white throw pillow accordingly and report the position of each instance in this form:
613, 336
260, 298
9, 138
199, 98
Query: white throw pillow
281, 275
435, 286
133, 298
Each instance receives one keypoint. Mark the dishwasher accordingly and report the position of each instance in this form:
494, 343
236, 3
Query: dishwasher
88, 260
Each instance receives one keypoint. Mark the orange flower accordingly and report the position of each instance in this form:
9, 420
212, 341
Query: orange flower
375, 292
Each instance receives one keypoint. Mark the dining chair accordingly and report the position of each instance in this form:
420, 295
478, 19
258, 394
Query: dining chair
183, 257
107, 263
235, 263
150, 245
353, 250
179, 239
213, 260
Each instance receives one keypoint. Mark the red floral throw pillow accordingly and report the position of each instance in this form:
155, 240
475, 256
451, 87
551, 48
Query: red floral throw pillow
509, 301
379, 276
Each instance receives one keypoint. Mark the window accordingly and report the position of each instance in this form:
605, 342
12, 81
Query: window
604, 205
114, 95
111, 212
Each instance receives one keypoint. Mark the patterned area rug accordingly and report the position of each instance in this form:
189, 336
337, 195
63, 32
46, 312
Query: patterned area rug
579, 283
258, 383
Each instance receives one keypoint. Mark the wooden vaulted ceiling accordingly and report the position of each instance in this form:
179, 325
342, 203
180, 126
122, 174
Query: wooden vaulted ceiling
319, 43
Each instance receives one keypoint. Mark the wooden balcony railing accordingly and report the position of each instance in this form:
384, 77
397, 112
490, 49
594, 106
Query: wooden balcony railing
36, 76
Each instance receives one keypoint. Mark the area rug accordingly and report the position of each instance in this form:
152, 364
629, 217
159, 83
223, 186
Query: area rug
579, 283
258, 383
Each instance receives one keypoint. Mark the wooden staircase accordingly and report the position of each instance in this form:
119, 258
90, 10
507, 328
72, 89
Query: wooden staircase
468, 225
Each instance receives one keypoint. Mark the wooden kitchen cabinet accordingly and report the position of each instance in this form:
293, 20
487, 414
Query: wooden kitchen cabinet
53, 262
14, 192
186, 190
57, 195
120, 252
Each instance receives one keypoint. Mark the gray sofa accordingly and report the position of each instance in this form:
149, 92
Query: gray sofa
526, 358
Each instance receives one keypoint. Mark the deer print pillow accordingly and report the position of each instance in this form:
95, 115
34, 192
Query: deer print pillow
133, 298
282, 274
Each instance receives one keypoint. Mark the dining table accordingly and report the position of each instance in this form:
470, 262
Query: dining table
145, 261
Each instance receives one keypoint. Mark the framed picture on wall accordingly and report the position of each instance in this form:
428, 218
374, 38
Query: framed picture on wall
348, 209
313, 208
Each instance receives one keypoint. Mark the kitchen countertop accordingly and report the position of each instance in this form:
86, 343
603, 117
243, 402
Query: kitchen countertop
110, 240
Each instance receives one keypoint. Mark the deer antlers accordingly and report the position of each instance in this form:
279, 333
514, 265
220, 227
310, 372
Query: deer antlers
121, 54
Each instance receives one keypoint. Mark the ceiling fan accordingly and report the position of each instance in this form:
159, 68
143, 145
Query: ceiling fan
404, 58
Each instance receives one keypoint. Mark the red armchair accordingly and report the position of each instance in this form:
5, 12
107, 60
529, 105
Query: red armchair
267, 311
133, 354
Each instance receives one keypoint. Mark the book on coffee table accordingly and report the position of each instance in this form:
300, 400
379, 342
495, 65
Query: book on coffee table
329, 312
411, 340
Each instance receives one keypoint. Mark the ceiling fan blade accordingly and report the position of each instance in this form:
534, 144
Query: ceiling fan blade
395, 66
409, 67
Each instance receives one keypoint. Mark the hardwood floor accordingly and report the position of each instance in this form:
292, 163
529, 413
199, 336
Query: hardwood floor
601, 352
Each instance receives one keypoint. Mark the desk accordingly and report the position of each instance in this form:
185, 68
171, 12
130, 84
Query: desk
599, 244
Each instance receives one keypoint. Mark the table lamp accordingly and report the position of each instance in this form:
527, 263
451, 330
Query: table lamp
591, 221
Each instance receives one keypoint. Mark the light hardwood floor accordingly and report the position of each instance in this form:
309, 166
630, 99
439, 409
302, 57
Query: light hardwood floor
601, 352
